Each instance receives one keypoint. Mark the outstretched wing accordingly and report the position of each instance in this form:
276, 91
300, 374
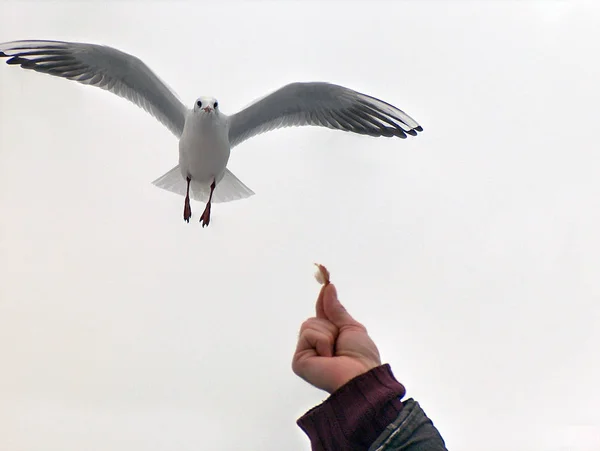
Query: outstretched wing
321, 104
104, 67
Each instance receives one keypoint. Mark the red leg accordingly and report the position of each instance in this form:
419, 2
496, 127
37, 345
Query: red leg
187, 209
205, 219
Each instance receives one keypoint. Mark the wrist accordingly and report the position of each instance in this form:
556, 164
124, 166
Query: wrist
355, 414
352, 373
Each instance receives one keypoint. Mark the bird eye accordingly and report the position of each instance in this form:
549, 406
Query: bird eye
216, 104
199, 103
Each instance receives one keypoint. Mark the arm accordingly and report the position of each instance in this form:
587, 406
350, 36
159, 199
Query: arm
364, 410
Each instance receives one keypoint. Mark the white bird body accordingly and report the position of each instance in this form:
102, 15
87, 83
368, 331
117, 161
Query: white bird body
204, 148
206, 136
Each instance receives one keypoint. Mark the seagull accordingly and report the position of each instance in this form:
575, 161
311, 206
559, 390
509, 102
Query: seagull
207, 135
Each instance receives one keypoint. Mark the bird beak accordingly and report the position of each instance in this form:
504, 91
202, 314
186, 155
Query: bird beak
207, 109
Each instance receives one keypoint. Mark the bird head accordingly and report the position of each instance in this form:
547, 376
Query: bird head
206, 105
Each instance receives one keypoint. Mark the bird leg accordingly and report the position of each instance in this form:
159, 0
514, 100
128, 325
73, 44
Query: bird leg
187, 209
205, 218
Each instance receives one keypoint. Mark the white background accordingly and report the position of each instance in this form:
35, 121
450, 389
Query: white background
471, 252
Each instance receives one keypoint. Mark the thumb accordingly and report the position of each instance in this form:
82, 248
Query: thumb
334, 310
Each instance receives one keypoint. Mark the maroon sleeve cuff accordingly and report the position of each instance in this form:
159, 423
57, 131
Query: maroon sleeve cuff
356, 413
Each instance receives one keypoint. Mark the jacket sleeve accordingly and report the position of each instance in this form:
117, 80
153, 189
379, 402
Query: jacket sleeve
411, 431
367, 414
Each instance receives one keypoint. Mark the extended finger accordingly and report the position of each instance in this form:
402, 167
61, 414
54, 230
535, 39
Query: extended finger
320, 311
335, 311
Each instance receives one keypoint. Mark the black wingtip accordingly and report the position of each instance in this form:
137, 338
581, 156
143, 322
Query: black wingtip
419, 128
23, 62
3, 55
16, 60
400, 133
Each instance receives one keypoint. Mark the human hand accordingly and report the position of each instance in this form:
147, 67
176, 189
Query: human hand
333, 347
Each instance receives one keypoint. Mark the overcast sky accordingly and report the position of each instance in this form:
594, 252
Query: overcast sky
471, 252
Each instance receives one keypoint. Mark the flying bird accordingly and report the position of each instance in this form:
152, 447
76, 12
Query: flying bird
206, 134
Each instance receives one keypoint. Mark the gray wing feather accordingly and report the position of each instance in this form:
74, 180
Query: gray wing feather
321, 104
103, 67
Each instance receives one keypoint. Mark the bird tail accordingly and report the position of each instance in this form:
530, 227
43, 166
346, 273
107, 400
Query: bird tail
228, 189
